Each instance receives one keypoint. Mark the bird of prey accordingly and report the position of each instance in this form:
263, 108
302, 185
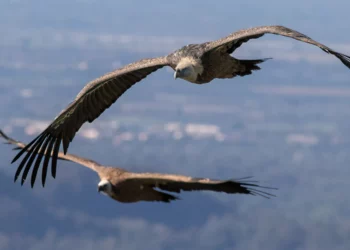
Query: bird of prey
127, 187
196, 63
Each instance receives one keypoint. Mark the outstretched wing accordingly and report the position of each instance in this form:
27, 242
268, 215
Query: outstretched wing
177, 183
232, 42
68, 157
89, 104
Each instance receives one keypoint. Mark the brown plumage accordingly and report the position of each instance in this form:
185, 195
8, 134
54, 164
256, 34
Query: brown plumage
196, 63
127, 187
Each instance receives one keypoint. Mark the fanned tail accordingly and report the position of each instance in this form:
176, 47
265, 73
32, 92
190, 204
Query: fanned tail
248, 66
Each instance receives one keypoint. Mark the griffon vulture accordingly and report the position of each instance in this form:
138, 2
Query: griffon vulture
196, 63
127, 187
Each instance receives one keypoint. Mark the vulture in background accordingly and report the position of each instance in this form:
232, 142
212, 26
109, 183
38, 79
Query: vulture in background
128, 187
195, 63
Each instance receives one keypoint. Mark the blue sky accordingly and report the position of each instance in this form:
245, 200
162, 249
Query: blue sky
287, 125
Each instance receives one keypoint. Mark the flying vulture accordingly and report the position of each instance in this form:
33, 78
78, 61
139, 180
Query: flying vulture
196, 63
127, 187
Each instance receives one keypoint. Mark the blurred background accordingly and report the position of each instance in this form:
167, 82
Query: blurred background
287, 125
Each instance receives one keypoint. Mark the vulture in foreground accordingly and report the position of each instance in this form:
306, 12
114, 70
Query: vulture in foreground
196, 63
127, 187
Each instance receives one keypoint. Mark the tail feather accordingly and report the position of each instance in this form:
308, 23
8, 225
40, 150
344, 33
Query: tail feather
249, 66
156, 195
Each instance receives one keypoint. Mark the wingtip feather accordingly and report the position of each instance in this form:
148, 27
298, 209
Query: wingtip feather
344, 59
2, 134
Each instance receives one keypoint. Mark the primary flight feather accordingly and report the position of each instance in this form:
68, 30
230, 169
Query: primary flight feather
127, 187
196, 63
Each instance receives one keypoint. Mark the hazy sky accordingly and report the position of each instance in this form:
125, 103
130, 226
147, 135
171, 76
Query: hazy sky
287, 125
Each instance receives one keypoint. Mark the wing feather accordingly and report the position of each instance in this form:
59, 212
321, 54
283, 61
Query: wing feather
46, 160
55, 151
178, 183
233, 41
89, 104
51, 145
38, 160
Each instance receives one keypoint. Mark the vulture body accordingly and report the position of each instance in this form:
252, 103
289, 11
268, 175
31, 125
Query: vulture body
129, 187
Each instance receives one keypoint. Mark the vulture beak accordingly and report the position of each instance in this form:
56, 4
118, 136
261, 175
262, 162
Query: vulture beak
176, 74
99, 189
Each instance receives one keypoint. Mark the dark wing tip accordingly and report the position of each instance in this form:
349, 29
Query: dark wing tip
40, 156
251, 187
46, 160
261, 193
40, 146
55, 156
26, 148
30, 150
2, 134
344, 59
256, 191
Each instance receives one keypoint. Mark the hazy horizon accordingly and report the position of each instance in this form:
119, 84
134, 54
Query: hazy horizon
286, 125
